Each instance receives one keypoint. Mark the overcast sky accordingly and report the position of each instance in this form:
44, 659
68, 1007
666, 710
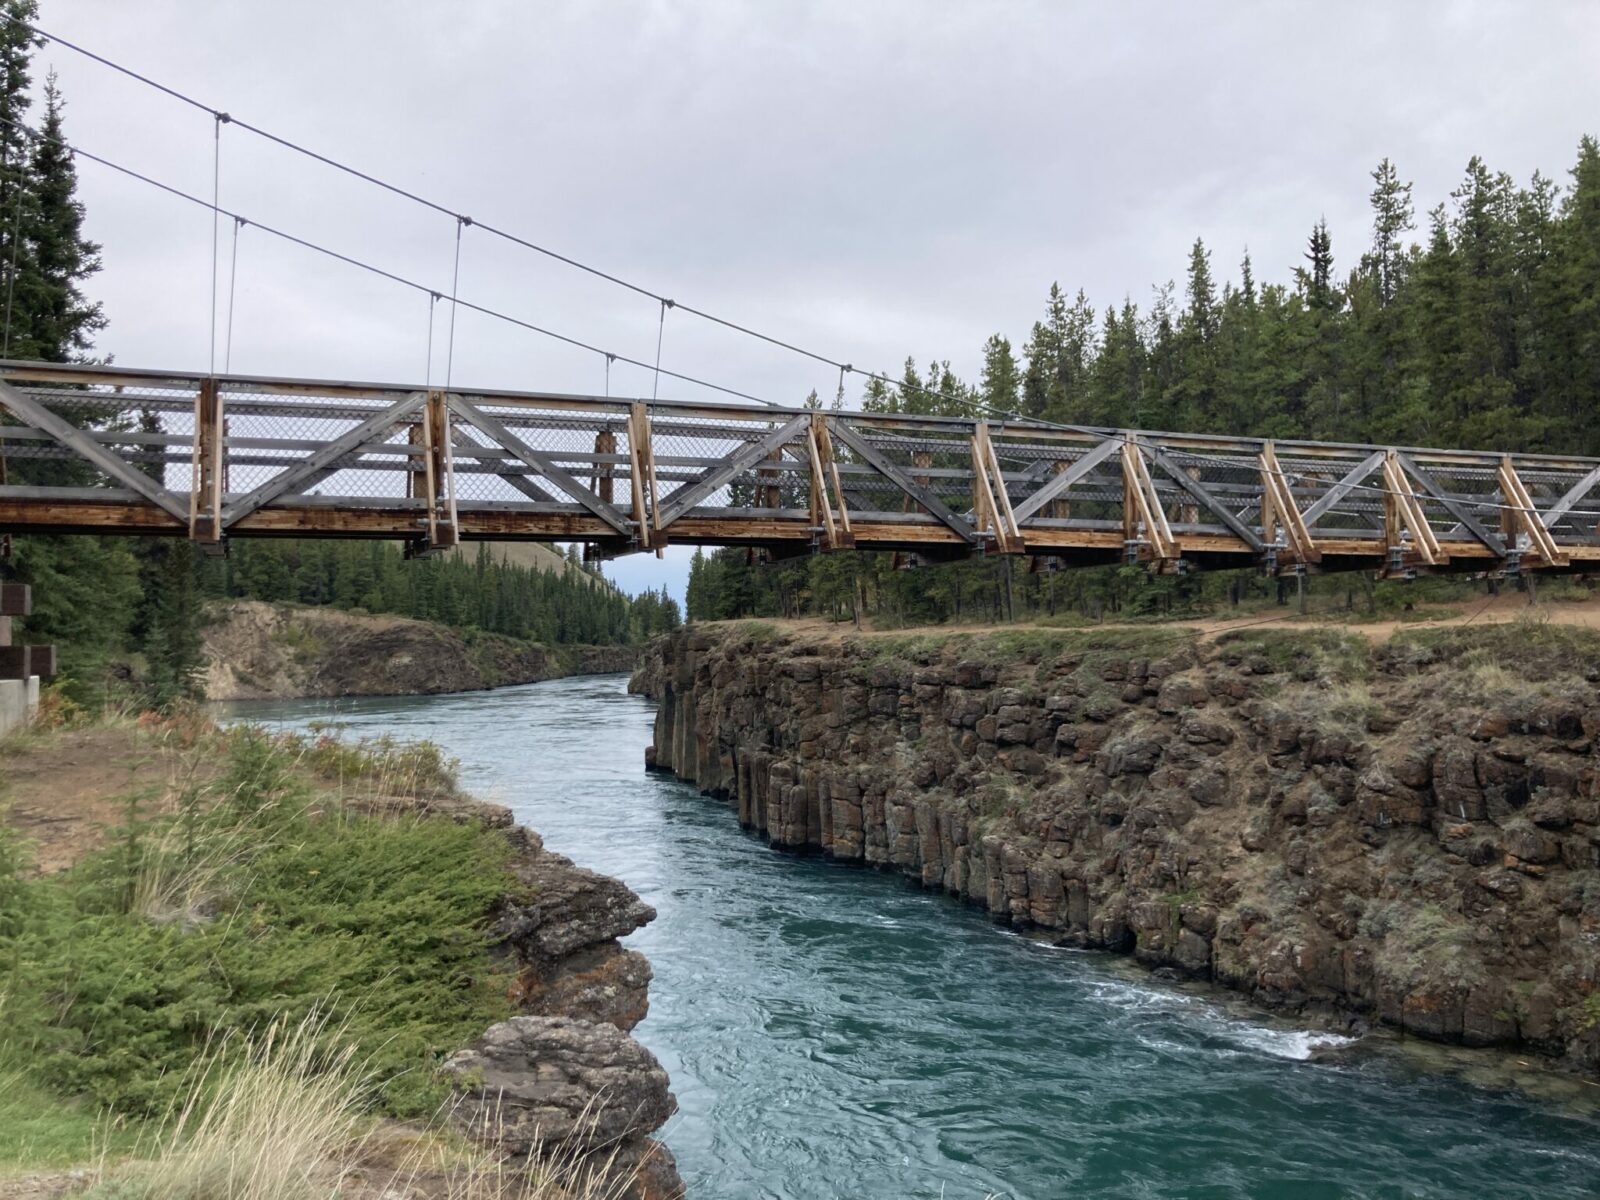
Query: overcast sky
874, 179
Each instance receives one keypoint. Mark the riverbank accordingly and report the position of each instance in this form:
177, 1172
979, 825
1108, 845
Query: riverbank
179, 899
1403, 831
253, 650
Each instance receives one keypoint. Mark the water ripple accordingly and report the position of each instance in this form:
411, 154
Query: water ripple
833, 1032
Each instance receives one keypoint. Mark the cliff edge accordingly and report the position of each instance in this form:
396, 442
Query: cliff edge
1407, 832
254, 650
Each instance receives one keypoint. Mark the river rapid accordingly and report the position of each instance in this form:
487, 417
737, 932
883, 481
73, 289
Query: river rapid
837, 1032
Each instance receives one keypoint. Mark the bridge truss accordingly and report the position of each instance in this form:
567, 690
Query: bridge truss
88, 449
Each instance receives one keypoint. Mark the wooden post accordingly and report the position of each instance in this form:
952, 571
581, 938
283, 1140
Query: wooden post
820, 508
642, 459
1401, 511
605, 442
1518, 515
207, 466
846, 537
1140, 504
437, 478
1060, 510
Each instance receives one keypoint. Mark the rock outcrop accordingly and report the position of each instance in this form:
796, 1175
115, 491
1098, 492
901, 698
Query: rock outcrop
1407, 833
259, 651
566, 1078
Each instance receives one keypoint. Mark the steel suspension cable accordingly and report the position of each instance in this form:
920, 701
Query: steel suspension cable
381, 272
578, 264
216, 198
233, 286
455, 287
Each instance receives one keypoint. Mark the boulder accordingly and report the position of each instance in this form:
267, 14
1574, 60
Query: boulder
532, 1082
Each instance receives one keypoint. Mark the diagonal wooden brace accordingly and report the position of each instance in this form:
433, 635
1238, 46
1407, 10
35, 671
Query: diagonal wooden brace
1520, 514
319, 464
1278, 509
642, 475
1403, 512
991, 504
31, 412
1141, 507
687, 495
542, 464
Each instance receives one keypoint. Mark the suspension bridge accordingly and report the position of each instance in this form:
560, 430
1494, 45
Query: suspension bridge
89, 449
216, 455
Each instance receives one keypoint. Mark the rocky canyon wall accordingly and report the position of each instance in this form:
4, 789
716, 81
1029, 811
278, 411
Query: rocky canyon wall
259, 651
1407, 833
564, 1077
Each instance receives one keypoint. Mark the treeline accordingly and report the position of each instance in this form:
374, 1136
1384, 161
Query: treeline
1479, 330
474, 591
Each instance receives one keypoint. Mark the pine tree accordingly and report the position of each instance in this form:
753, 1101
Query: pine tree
1000, 382
17, 43
61, 322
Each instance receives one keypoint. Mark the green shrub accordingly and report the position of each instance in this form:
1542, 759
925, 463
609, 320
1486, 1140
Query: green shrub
380, 923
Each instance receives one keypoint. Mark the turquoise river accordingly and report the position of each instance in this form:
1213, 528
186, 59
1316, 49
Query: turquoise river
836, 1032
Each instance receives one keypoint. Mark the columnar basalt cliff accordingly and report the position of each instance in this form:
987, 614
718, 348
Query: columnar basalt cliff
1407, 832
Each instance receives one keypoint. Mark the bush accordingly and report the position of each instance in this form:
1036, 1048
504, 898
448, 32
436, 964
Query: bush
123, 969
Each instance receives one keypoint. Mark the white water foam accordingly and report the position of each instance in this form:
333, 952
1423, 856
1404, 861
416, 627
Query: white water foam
1298, 1044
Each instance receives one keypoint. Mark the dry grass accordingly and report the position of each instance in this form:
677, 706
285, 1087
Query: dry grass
1331, 708
280, 1118
284, 1117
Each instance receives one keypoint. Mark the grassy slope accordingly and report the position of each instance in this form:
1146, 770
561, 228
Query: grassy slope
247, 885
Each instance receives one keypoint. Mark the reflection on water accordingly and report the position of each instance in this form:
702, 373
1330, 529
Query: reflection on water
835, 1032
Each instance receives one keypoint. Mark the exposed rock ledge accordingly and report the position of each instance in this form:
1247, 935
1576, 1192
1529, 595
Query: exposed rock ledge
1421, 848
259, 651
566, 1076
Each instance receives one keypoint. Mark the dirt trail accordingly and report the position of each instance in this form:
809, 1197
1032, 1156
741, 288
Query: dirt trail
65, 791
1487, 610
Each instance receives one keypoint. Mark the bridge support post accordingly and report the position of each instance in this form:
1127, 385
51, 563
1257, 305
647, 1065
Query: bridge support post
1520, 517
435, 483
1145, 531
1406, 532
207, 469
990, 501
642, 478
1280, 513
819, 453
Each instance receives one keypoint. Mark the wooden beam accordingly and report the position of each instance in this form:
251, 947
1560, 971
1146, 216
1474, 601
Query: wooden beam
33, 413
687, 495
321, 462
1403, 512
1141, 506
1194, 487
1524, 516
922, 495
830, 460
821, 510
207, 465
638, 443
1278, 505
541, 463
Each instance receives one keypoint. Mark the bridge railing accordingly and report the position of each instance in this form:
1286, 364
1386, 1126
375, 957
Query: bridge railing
99, 448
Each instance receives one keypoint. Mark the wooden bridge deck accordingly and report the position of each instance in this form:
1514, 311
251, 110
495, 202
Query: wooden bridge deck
112, 450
